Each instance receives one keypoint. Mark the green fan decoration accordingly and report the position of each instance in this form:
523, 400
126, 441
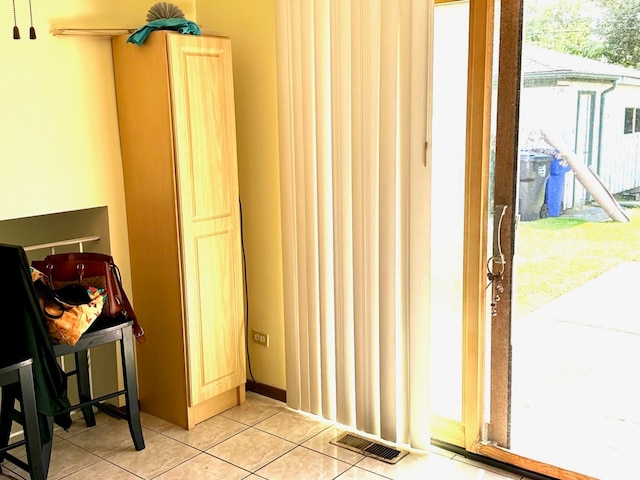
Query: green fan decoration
164, 16
164, 10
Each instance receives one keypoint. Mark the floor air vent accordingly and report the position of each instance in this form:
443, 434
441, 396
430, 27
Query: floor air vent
369, 448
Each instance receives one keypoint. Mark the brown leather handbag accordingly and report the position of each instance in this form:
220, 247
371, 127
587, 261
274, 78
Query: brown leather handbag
91, 269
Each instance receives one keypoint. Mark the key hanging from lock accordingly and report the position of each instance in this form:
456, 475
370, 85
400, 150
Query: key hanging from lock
496, 264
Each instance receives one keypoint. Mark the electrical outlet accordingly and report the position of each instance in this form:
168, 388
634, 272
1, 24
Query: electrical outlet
260, 338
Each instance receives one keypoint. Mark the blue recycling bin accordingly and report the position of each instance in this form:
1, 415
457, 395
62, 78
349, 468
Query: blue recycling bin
554, 189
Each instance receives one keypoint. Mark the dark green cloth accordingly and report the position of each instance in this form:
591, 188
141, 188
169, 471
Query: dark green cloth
25, 335
179, 24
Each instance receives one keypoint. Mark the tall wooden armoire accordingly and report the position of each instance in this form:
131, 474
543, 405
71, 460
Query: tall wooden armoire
177, 130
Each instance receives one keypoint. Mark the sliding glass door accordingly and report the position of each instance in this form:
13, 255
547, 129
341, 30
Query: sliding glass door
451, 40
564, 167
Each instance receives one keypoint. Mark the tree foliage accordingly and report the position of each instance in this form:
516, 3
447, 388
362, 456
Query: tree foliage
563, 25
619, 26
607, 30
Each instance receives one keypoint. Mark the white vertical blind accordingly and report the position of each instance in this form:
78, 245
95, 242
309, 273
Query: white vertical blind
353, 89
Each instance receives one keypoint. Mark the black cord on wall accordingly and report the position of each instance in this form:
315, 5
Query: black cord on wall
246, 295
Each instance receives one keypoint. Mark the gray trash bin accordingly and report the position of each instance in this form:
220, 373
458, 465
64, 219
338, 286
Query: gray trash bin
534, 171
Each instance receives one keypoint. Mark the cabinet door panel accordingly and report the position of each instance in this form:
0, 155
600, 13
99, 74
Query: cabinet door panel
214, 336
208, 205
209, 146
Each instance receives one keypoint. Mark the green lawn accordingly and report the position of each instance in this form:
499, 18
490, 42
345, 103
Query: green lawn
557, 255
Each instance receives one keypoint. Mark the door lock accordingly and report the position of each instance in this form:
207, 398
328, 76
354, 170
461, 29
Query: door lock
496, 264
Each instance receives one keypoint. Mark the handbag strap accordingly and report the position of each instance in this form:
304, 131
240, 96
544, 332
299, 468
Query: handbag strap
79, 256
48, 294
127, 309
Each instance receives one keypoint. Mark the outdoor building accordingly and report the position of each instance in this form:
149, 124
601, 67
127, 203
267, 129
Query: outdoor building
593, 107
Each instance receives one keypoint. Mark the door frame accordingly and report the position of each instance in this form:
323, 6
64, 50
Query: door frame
477, 198
587, 97
467, 433
480, 69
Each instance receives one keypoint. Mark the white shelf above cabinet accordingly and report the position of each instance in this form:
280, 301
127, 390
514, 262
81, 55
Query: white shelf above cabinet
91, 32
109, 32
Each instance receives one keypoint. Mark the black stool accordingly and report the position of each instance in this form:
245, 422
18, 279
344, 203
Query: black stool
123, 333
21, 374
27, 337
41, 453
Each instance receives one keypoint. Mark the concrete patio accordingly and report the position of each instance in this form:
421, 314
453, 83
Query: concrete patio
575, 380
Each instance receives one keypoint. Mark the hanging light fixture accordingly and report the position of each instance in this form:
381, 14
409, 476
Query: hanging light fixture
16, 30
32, 30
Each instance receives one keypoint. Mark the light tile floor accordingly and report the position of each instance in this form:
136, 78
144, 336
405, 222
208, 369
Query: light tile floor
261, 439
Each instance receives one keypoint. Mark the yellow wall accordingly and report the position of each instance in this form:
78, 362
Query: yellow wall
59, 141
251, 26
103, 13
60, 145
59, 133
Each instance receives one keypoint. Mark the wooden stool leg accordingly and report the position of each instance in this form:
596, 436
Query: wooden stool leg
84, 386
46, 448
8, 401
131, 387
39, 468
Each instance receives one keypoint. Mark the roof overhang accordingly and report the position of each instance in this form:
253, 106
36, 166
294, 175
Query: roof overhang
560, 78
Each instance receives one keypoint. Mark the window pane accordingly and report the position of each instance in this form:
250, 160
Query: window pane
570, 398
628, 120
448, 175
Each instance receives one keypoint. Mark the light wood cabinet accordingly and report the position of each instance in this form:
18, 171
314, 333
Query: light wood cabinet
177, 132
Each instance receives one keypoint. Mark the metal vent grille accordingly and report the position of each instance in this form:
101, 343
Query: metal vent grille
369, 448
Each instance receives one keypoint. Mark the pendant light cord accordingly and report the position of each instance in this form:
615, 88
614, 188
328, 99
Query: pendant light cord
32, 30
16, 30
